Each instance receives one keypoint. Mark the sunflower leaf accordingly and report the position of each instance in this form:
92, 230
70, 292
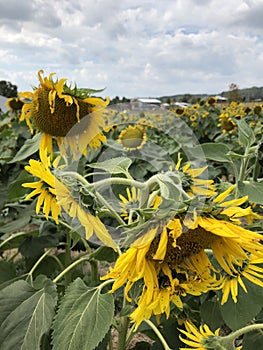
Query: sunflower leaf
26, 313
253, 190
30, 147
83, 319
119, 165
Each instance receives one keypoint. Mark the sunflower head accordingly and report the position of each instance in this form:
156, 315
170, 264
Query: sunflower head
211, 101
14, 104
133, 137
55, 107
227, 124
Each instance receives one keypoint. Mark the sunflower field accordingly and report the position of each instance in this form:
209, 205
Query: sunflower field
129, 227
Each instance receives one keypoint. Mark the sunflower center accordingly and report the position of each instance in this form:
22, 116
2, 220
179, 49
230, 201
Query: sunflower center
64, 117
189, 243
132, 138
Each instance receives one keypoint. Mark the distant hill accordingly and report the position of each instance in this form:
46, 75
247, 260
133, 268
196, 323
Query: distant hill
248, 94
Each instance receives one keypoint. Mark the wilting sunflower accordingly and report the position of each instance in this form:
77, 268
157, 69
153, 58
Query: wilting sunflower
172, 257
54, 197
133, 137
54, 108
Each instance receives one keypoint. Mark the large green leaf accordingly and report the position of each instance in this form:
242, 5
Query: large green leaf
83, 318
30, 147
26, 314
253, 190
211, 314
237, 315
212, 151
253, 340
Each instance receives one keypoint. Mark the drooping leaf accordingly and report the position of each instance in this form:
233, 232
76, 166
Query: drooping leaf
30, 147
83, 319
26, 314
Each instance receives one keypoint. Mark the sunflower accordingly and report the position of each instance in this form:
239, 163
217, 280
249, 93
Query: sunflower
14, 104
55, 108
211, 101
133, 137
44, 188
190, 182
172, 257
54, 197
248, 269
197, 338
227, 123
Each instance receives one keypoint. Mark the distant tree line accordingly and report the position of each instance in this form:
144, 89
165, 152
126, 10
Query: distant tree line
7, 89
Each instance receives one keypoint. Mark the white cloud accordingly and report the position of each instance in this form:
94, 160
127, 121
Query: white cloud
134, 48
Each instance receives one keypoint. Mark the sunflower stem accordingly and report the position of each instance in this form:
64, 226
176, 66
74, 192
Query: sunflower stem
159, 334
69, 268
229, 339
109, 207
30, 273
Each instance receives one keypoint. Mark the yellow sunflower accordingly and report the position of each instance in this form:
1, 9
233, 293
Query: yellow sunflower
190, 182
54, 197
248, 270
133, 137
54, 109
172, 257
44, 188
197, 338
227, 124
14, 104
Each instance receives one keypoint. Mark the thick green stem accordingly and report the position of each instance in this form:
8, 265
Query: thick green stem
159, 335
229, 339
124, 325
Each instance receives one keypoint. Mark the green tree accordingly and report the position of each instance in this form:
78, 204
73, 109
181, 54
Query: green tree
7, 89
234, 93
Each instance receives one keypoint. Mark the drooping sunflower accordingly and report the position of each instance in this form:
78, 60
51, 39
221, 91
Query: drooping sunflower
54, 108
133, 137
55, 197
172, 257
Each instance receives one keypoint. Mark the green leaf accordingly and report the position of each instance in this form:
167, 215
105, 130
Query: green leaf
245, 133
237, 315
7, 271
30, 147
26, 314
253, 190
113, 166
211, 314
253, 340
83, 319
15, 189
104, 253
212, 151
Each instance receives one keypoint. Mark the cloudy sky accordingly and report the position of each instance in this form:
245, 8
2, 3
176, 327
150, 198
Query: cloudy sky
134, 48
